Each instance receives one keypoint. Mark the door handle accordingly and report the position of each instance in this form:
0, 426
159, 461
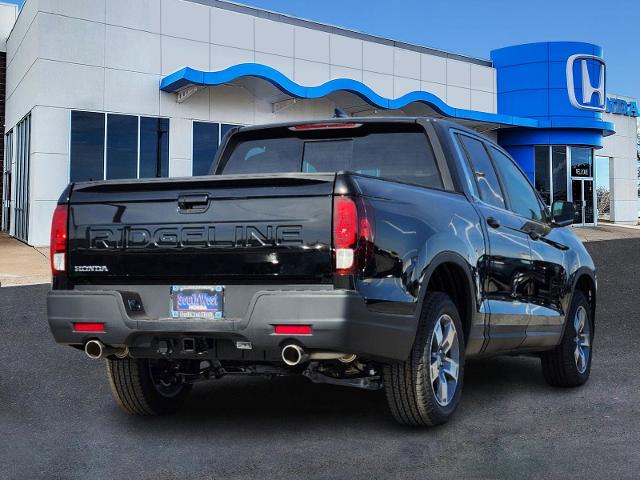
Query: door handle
492, 222
193, 203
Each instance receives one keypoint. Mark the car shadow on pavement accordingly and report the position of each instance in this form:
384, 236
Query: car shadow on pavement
292, 403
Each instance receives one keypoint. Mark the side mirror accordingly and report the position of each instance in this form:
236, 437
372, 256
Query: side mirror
562, 213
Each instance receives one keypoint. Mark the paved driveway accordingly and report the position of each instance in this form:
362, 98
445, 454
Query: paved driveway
57, 419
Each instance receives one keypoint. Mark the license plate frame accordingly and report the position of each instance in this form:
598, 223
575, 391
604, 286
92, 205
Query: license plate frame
196, 301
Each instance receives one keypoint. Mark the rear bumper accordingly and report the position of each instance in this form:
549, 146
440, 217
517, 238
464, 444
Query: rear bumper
340, 322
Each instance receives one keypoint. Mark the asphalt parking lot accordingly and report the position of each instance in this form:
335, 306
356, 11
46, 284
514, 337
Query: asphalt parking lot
57, 418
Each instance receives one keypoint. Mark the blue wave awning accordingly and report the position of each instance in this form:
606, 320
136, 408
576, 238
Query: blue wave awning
191, 77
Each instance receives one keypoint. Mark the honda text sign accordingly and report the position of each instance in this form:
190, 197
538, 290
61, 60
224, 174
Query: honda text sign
592, 78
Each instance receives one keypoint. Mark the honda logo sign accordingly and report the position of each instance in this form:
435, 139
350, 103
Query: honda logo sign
588, 87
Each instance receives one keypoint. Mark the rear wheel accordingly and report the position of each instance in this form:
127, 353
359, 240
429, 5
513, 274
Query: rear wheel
145, 386
425, 389
569, 364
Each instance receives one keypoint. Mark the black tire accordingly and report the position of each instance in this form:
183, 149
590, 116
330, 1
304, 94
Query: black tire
409, 390
135, 392
559, 366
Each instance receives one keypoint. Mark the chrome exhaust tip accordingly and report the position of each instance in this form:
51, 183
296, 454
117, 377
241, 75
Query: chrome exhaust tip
293, 355
96, 350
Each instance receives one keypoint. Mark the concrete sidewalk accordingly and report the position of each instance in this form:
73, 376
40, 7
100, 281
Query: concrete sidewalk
607, 231
21, 264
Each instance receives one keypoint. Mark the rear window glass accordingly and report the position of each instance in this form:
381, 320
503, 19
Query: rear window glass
404, 155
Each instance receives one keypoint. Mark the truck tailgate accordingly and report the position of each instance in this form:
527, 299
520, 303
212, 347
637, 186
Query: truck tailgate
272, 228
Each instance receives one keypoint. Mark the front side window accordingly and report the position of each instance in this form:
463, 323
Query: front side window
522, 198
486, 178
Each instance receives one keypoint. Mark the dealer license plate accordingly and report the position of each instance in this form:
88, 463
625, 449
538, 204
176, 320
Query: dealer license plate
197, 301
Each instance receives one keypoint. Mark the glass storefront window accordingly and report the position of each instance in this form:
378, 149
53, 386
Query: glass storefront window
559, 165
87, 146
133, 147
122, 146
581, 162
206, 139
542, 177
154, 147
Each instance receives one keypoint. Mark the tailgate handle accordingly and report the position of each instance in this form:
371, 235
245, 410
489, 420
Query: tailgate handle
193, 203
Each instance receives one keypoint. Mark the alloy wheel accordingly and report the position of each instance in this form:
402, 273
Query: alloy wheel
582, 339
444, 359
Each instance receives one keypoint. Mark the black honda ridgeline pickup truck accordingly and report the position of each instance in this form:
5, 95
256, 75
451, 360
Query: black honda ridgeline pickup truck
373, 253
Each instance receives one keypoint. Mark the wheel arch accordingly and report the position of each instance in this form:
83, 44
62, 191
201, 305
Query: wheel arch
451, 274
585, 282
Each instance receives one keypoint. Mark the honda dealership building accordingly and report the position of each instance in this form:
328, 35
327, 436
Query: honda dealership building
108, 89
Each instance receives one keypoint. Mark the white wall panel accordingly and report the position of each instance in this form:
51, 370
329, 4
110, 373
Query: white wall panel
482, 78
345, 72
433, 68
458, 73
273, 37
27, 53
178, 53
185, 20
135, 50
70, 39
93, 10
379, 83
345, 51
482, 101
311, 73
49, 175
138, 14
377, 57
283, 64
438, 89
459, 97
402, 86
406, 63
225, 57
131, 92
311, 45
50, 130
40, 214
232, 29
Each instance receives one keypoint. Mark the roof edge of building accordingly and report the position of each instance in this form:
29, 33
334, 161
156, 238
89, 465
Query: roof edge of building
325, 27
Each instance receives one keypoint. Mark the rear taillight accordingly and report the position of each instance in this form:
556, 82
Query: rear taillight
352, 234
59, 239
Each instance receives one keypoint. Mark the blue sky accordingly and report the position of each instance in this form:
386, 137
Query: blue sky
475, 27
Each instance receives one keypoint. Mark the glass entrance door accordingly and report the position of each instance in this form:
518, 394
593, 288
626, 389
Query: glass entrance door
582, 194
582, 191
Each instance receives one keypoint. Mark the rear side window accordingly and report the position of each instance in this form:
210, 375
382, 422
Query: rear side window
405, 156
483, 171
